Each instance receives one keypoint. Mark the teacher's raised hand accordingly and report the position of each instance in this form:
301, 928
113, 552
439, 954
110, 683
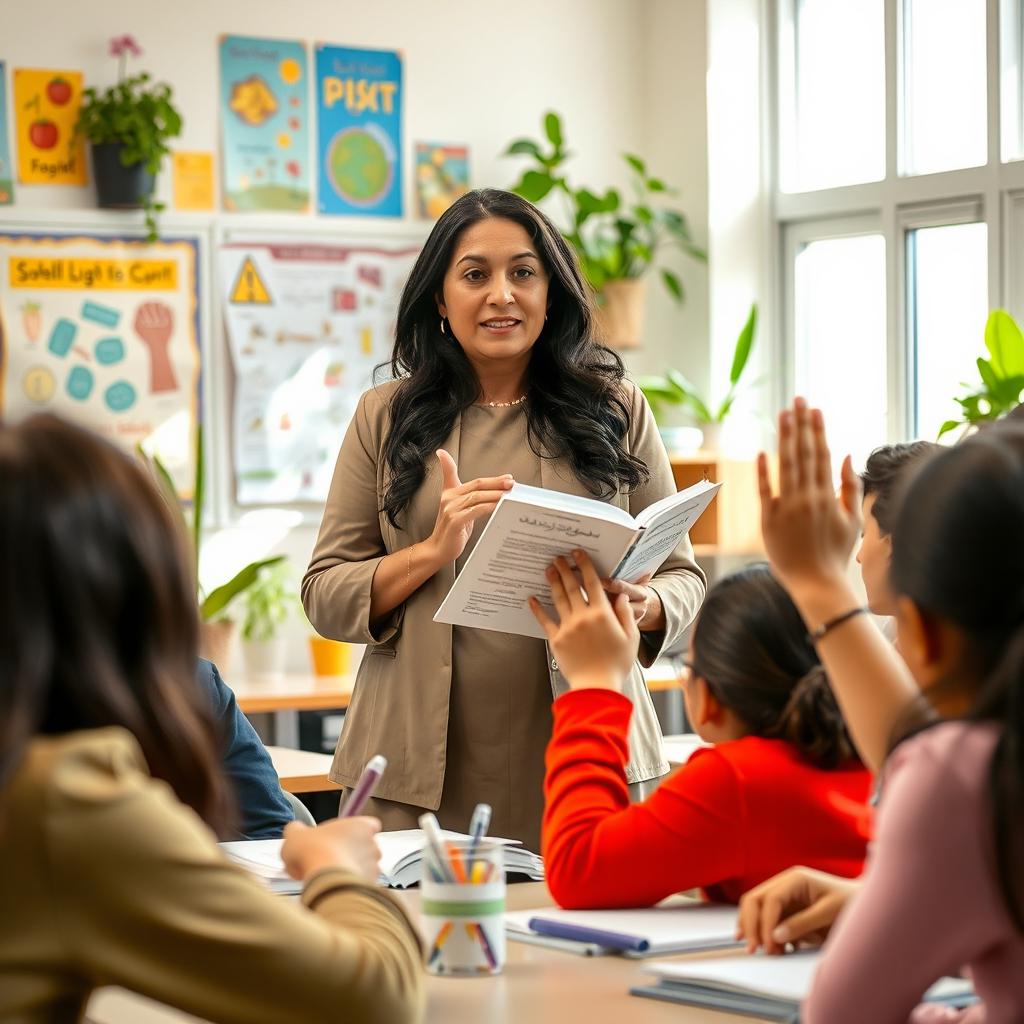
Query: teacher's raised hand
461, 505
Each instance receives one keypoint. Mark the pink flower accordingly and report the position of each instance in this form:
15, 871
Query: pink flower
121, 45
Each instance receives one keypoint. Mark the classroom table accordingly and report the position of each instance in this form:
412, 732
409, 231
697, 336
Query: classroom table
286, 695
302, 771
538, 986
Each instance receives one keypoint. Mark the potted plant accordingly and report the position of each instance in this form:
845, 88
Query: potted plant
128, 126
218, 630
265, 609
673, 389
618, 240
1002, 375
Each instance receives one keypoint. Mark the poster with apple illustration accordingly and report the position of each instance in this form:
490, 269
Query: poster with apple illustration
6, 170
105, 332
45, 110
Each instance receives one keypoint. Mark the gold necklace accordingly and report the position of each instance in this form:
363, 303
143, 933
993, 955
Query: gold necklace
506, 405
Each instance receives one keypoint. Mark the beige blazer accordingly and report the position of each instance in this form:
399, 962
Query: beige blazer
108, 880
400, 704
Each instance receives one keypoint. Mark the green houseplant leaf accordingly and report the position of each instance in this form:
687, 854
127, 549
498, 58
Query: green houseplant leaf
1005, 343
744, 343
219, 598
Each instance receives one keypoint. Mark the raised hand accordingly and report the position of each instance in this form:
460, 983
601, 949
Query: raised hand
594, 641
347, 843
808, 532
799, 905
461, 505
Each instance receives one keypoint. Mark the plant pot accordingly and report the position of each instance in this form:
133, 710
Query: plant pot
620, 316
681, 440
217, 641
330, 657
119, 187
712, 436
264, 659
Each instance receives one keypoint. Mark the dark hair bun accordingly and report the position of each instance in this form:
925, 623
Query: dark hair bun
813, 723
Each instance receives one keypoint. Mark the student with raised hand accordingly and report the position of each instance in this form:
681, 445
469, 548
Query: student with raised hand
944, 886
111, 786
780, 786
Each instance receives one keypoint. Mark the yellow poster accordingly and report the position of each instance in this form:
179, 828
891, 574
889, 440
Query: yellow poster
193, 181
45, 110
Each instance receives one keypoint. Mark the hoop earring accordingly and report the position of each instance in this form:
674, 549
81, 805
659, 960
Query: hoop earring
442, 326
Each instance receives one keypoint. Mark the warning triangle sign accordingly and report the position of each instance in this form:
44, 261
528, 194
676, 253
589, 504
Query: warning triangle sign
249, 289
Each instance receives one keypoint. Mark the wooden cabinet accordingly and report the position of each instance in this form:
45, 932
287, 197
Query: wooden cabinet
732, 523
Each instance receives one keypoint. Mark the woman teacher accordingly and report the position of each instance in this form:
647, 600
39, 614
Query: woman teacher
498, 377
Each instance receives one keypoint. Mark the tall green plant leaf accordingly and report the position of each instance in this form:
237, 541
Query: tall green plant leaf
222, 596
1005, 343
948, 426
525, 147
553, 129
636, 163
744, 343
673, 284
535, 185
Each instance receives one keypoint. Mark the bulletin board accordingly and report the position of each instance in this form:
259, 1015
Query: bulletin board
307, 317
104, 330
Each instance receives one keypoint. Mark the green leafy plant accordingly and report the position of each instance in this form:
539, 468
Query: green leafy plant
1002, 375
675, 389
615, 237
266, 603
213, 604
137, 115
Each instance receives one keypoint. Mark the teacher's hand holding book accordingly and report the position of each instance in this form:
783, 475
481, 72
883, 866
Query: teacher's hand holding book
347, 843
462, 504
594, 641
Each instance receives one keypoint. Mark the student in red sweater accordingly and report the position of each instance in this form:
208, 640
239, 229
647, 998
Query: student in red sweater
781, 785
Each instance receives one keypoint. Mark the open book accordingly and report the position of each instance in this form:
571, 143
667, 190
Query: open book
769, 987
531, 526
401, 861
656, 931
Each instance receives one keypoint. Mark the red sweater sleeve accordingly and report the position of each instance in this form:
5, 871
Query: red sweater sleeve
602, 851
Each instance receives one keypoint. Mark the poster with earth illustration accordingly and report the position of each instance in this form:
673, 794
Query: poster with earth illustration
264, 116
359, 131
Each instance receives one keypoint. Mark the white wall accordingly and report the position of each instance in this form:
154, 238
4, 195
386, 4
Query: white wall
627, 75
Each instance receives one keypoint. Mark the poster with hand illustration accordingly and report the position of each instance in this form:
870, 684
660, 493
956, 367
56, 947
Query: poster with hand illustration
307, 322
45, 110
264, 97
104, 331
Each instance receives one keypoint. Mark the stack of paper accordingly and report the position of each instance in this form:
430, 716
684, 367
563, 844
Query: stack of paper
761, 986
671, 928
401, 862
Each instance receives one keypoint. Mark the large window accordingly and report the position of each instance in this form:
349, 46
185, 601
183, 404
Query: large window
899, 203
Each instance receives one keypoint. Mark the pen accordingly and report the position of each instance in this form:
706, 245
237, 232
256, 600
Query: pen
435, 842
478, 826
363, 789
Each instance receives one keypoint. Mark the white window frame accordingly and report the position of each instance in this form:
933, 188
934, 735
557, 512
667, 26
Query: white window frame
993, 194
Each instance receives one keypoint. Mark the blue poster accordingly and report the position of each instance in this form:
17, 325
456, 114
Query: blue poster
359, 124
6, 171
264, 116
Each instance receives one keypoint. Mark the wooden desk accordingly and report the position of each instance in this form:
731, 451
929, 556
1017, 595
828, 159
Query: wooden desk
302, 771
538, 986
286, 695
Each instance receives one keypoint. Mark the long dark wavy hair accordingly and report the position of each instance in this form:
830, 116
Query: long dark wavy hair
958, 554
750, 647
577, 409
99, 624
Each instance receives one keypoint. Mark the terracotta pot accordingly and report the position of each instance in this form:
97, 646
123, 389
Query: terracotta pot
330, 657
217, 641
620, 315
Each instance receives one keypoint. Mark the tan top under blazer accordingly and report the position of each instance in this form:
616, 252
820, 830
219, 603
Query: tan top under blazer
400, 704
106, 879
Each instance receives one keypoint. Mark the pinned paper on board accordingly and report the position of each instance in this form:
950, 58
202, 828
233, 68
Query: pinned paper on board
46, 107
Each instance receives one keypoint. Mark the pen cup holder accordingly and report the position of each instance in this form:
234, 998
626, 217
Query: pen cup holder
464, 920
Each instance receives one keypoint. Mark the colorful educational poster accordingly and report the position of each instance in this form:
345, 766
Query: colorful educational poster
192, 180
6, 169
359, 128
264, 116
45, 111
104, 331
442, 175
307, 322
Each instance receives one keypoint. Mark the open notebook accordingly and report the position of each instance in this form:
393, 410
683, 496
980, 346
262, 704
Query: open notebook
657, 931
769, 987
401, 861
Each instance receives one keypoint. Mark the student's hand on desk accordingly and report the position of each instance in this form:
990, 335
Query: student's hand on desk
644, 601
594, 640
346, 843
460, 507
808, 531
799, 906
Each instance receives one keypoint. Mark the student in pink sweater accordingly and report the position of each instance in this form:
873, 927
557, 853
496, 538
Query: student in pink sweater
944, 886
